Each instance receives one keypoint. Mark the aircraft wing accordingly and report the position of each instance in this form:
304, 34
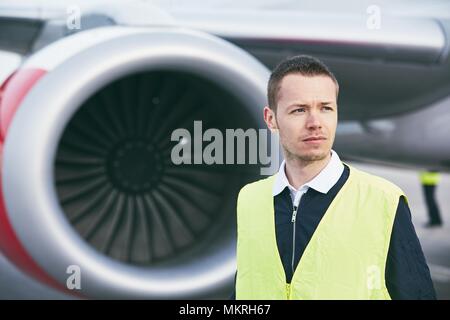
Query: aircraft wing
394, 46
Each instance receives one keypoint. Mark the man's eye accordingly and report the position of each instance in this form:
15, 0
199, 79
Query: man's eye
328, 108
299, 110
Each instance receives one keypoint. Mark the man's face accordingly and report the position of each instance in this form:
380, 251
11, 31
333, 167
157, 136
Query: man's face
306, 116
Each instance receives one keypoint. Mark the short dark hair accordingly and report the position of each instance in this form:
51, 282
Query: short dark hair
304, 65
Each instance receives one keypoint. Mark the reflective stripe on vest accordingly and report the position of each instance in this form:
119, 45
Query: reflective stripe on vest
346, 256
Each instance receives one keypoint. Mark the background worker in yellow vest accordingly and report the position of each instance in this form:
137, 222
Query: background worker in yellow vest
430, 180
319, 228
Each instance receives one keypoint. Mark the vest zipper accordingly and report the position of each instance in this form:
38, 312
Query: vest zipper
288, 291
294, 216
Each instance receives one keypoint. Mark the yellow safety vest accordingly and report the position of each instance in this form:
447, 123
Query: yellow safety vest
429, 178
346, 256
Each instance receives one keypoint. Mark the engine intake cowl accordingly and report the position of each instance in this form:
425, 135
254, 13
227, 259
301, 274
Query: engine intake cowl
87, 174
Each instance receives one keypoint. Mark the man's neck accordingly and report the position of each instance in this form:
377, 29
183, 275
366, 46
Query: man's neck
298, 171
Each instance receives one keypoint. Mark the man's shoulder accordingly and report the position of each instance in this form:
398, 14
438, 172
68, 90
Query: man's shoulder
266, 182
375, 182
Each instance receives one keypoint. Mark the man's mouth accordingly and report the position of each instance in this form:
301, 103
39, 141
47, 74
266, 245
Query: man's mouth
314, 139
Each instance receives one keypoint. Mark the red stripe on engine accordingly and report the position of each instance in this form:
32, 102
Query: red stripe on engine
12, 93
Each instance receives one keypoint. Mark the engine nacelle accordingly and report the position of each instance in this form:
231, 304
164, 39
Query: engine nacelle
87, 179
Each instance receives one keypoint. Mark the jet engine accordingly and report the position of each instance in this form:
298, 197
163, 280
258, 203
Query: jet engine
87, 181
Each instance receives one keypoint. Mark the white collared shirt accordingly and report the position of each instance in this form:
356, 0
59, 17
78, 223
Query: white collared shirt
322, 182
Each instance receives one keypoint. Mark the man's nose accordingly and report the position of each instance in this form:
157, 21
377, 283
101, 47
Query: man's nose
313, 121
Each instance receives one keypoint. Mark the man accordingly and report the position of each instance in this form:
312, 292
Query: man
430, 180
320, 229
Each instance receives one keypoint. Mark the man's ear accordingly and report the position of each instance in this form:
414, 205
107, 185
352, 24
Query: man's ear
269, 118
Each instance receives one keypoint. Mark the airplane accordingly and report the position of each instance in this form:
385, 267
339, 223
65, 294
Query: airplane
92, 207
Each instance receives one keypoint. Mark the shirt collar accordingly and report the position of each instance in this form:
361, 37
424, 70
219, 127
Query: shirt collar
322, 182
